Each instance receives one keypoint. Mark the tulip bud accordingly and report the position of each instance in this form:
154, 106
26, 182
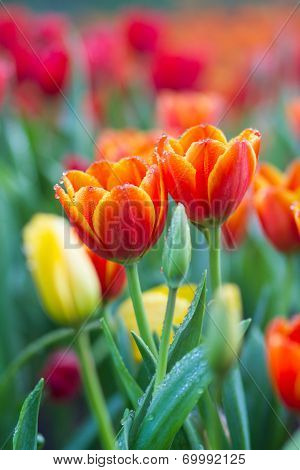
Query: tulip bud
62, 374
61, 268
177, 249
223, 330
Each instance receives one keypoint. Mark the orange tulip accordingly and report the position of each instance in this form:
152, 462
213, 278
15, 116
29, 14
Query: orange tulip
119, 209
283, 357
176, 111
112, 145
276, 195
112, 276
235, 228
209, 174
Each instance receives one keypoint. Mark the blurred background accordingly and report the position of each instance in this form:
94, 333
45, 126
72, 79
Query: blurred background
69, 71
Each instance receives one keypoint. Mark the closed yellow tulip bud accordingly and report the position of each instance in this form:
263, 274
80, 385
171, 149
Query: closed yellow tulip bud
61, 268
155, 302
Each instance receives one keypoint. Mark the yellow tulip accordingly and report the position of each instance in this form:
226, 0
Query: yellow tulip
155, 302
61, 268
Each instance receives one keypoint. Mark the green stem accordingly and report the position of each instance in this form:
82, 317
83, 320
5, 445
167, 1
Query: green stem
165, 338
215, 434
215, 256
140, 314
94, 392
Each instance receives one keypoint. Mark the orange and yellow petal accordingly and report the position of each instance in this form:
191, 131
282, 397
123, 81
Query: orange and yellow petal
293, 176
129, 170
86, 201
201, 132
124, 220
101, 171
76, 179
230, 178
253, 136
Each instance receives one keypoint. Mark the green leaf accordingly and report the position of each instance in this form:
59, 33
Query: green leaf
236, 410
244, 325
141, 411
133, 390
25, 435
149, 359
188, 335
209, 413
174, 399
294, 442
192, 434
123, 436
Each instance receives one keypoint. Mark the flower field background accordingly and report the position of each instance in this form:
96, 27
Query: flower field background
78, 94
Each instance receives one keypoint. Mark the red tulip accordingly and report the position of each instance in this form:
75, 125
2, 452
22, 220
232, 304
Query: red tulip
62, 374
142, 29
176, 70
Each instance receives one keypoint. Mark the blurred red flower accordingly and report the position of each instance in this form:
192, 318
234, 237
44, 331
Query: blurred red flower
142, 30
62, 374
75, 162
176, 70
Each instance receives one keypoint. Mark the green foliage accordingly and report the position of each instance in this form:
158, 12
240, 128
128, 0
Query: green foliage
26, 432
173, 401
236, 410
188, 335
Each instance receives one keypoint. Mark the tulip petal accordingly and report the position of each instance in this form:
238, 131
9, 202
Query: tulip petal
101, 171
274, 209
268, 175
79, 222
153, 184
180, 179
252, 136
129, 170
203, 155
76, 179
293, 176
124, 220
201, 132
230, 178
86, 201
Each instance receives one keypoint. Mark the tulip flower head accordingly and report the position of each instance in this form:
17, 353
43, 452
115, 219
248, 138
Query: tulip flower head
276, 194
208, 174
64, 275
283, 357
155, 302
118, 209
